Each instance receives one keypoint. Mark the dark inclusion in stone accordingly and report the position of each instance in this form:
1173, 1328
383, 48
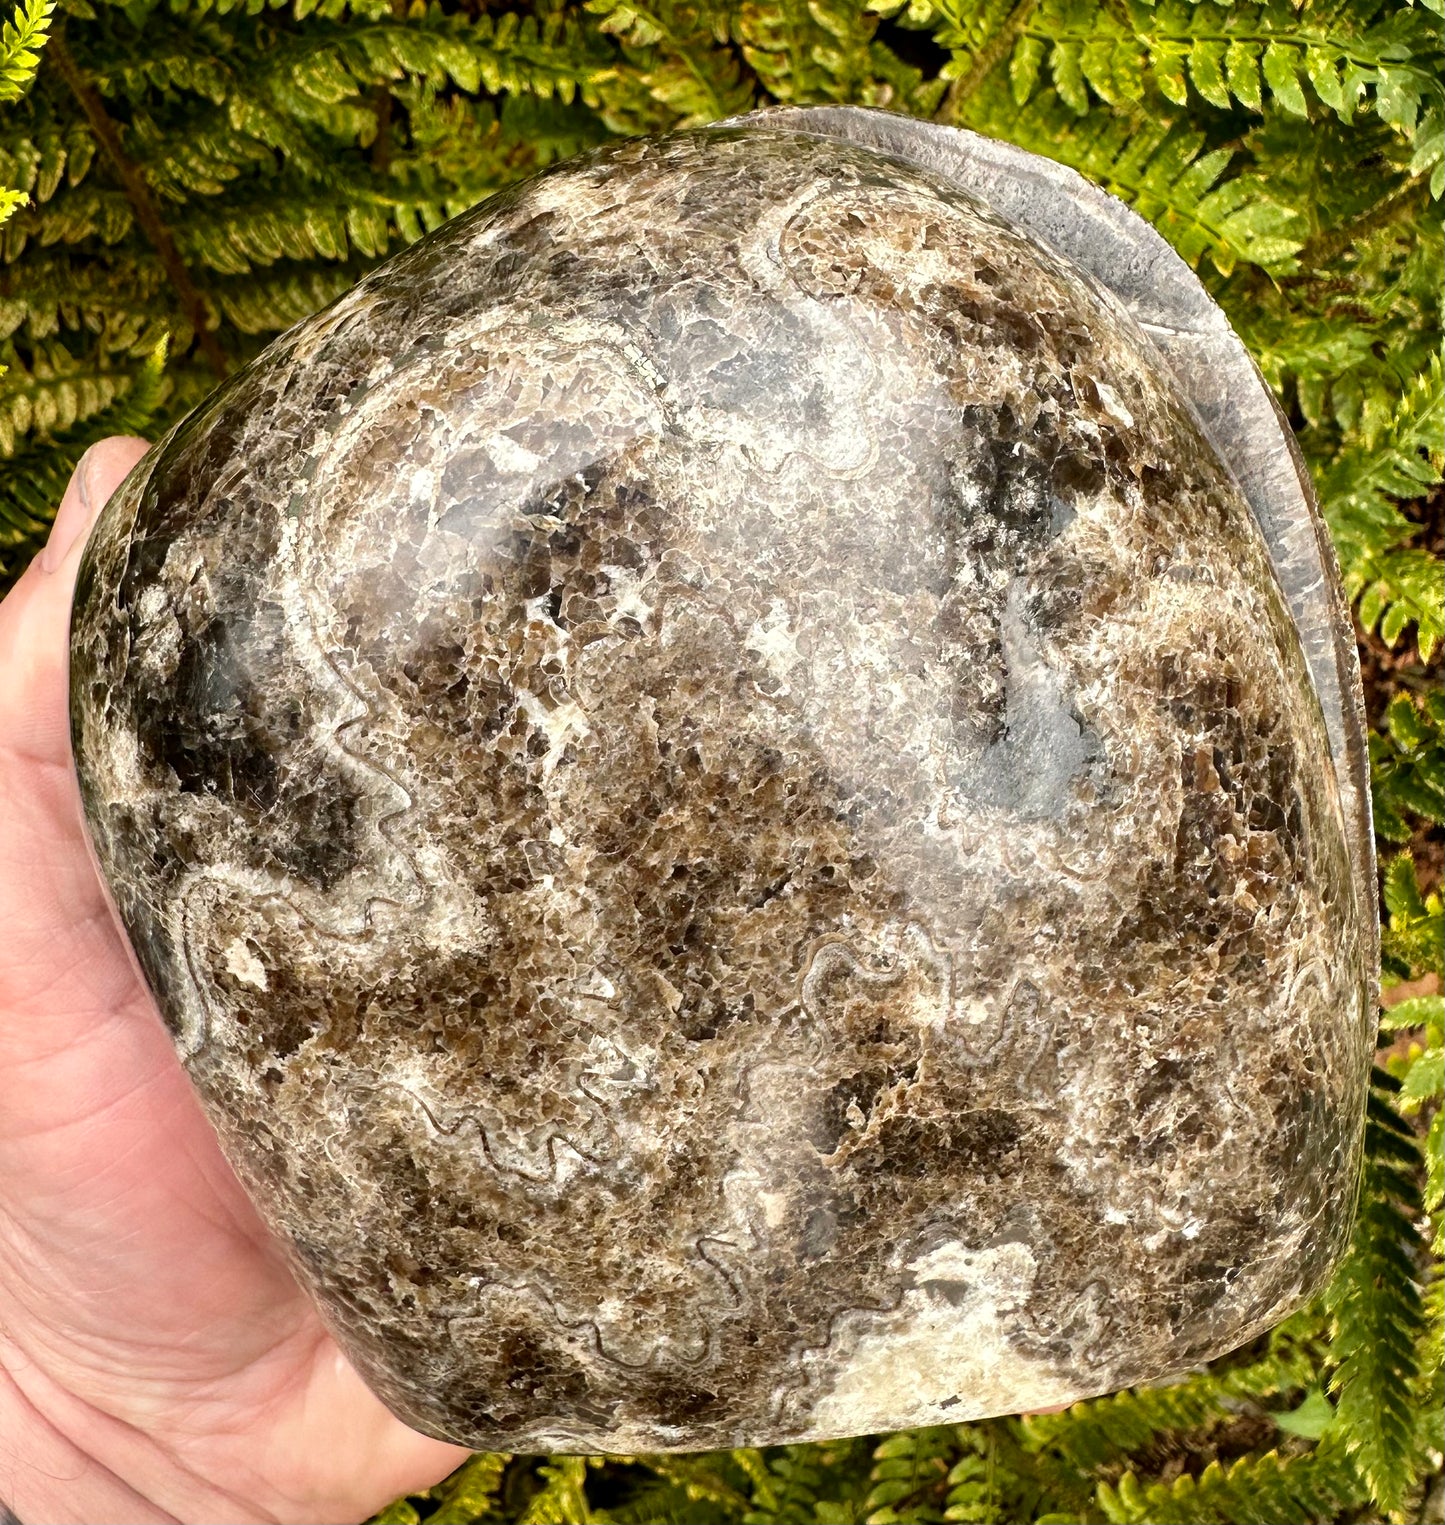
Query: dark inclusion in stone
713, 777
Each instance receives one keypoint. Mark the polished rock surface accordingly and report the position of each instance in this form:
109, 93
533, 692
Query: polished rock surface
714, 781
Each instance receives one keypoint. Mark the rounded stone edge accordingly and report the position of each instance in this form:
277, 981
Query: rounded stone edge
137, 480
1217, 375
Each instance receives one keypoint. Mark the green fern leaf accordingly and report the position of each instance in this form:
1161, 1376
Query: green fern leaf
562, 1499
1164, 171
1414, 936
1377, 1311
21, 39
35, 477
795, 1485
1251, 53
1396, 586
909, 1481
1264, 1490
974, 1479
1407, 766
470, 1493
701, 1481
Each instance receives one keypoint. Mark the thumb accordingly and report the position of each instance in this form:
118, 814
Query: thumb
35, 615
97, 474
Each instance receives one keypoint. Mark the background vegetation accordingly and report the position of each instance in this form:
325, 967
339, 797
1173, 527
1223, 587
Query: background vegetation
186, 178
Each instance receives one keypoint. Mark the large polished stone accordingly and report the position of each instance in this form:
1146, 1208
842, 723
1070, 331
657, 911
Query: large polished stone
719, 787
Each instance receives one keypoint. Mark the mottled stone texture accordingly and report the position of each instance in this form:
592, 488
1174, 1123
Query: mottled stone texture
715, 784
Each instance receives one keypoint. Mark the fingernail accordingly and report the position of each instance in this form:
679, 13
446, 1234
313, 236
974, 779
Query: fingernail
73, 517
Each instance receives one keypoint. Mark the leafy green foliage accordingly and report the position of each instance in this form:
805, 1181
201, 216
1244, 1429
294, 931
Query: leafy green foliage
970, 1487
1376, 1308
1394, 584
1164, 167
562, 1498
471, 1492
1420, 1070
1414, 935
1349, 58
1271, 1489
1291, 152
21, 39
36, 476
1407, 765
911, 1474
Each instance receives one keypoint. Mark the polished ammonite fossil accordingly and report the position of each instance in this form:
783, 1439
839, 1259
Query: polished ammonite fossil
739, 778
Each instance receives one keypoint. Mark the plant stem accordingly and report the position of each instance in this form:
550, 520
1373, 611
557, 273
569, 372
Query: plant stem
138, 192
985, 61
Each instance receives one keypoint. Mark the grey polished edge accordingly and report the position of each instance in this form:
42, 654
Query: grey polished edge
1215, 372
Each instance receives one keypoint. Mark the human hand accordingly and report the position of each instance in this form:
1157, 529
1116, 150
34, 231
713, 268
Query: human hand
157, 1359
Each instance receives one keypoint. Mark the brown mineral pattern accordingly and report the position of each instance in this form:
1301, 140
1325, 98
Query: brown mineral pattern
713, 779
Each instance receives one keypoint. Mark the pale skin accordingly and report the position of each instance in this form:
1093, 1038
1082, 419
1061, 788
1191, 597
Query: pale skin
158, 1361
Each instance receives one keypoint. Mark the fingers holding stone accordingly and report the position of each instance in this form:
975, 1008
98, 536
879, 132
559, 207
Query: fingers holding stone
34, 618
99, 472
51, 902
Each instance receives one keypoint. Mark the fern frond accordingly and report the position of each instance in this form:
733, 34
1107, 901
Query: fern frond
290, 219
1164, 171
1402, 588
1395, 586
1272, 1489
1407, 766
35, 477
974, 1479
1414, 936
1252, 55
662, 1503
34, 151
977, 38
467, 1497
795, 1483
399, 1512
910, 1478
21, 39
813, 52
1094, 1439
701, 1480
1097, 1432
763, 1498
562, 1499
1376, 1306
675, 54
54, 391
